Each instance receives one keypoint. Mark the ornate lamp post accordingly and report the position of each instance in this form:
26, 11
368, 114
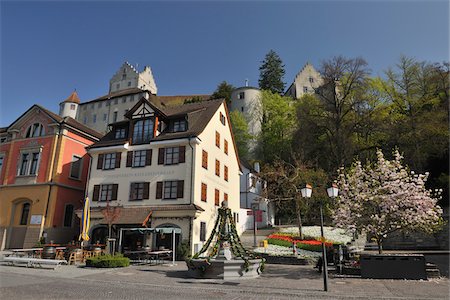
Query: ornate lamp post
332, 193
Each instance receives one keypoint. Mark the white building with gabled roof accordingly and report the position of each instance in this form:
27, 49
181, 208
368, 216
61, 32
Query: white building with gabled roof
174, 164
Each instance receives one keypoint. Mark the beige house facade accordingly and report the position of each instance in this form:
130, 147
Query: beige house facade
164, 167
305, 82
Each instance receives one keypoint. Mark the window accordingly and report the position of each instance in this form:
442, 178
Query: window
217, 139
85, 120
75, 167
170, 189
179, 125
68, 215
132, 98
172, 155
225, 173
216, 197
109, 161
92, 105
311, 79
29, 163
124, 100
105, 192
72, 106
242, 109
241, 95
115, 116
117, 86
84, 107
35, 130
94, 118
25, 213
1, 163
222, 119
305, 89
120, 133
236, 217
225, 146
129, 83
116, 101
142, 131
140, 158
225, 197
202, 231
125, 111
217, 168
104, 117
205, 159
99, 105
139, 190
204, 192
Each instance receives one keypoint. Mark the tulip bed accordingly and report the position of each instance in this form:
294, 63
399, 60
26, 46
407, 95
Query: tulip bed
287, 240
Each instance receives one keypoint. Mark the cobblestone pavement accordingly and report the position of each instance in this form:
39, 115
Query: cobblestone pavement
166, 282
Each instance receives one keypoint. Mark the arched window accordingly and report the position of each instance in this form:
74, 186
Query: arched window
25, 213
35, 130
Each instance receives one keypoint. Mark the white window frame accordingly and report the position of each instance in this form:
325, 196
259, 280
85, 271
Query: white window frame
171, 155
74, 159
139, 160
32, 130
111, 159
30, 153
106, 191
170, 188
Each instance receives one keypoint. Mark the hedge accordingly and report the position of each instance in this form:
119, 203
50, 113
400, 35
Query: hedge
108, 261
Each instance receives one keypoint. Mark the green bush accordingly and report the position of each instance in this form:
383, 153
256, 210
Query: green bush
108, 261
279, 242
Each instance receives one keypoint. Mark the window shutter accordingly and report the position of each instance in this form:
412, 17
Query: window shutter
129, 158
217, 139
205, 159
225, 146
148, 157
96, 192
114, 191
204, 190
100, 162
146, 190
131, 191
217, 168
159, 189
216, 197
161, 156
180, 188
118, 156
225, 173
182, 157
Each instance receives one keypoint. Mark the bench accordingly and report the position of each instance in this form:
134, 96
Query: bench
33, 262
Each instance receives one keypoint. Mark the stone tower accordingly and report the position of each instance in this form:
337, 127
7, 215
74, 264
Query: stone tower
69, 107
128, 77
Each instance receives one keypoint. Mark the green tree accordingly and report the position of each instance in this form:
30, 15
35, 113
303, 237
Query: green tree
242, 138
271, 73
277, 126
284, 182
223, 90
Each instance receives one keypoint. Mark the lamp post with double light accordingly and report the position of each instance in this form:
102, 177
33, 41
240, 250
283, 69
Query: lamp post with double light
332, 193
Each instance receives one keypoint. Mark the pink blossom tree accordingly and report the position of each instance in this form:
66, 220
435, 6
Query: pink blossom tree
385, 197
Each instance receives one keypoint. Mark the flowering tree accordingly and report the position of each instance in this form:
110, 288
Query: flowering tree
385, 197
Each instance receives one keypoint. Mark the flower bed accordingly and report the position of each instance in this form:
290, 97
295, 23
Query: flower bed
287, 240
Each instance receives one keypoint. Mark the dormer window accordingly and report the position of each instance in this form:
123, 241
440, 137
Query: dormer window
179, 125
142, 131
35, 130
120, 133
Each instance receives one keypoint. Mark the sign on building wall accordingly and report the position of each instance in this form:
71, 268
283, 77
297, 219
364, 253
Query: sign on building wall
36, 219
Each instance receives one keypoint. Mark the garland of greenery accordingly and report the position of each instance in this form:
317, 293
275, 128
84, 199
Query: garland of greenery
222, 235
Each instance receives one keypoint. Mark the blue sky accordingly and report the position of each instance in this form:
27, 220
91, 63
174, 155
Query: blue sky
50, 48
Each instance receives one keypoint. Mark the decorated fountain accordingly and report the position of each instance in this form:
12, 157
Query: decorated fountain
223, 256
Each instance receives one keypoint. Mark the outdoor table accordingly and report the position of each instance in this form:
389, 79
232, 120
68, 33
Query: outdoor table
148, 254
28, 252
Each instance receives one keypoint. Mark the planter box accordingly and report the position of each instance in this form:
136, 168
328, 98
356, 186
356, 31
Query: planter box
393, 266
284, 260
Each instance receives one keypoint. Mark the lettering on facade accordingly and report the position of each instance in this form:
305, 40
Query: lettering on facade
140, 174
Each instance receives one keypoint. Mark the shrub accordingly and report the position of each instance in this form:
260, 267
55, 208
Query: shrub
278, 242
108, 261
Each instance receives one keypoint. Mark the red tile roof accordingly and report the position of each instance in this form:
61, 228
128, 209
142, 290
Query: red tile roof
73, 98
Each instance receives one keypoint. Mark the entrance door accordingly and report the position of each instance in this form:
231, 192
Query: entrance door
165, 240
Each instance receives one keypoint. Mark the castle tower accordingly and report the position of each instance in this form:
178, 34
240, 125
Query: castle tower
128, 77
69, 107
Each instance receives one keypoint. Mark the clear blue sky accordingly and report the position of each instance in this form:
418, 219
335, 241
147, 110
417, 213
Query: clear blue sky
49, 48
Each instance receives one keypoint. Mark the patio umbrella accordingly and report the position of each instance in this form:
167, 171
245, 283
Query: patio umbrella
85, 220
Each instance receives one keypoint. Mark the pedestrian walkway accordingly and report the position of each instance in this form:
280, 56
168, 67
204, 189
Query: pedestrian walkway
278, 280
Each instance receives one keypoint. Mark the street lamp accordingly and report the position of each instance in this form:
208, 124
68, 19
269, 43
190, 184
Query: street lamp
332, 193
